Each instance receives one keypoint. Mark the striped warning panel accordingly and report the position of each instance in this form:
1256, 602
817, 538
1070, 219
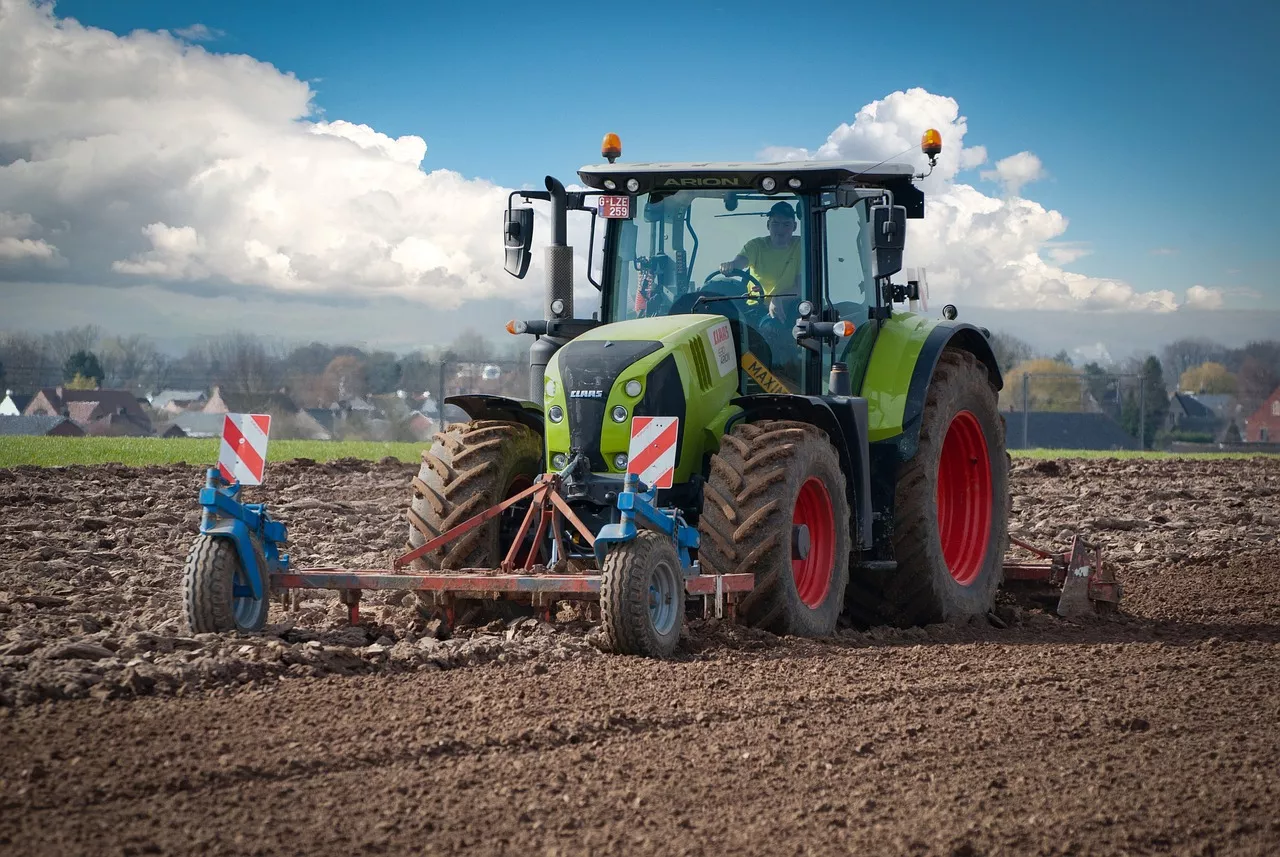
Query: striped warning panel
652, 455
243, 457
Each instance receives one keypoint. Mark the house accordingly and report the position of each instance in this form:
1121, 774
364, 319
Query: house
44, 425
14, 403
177, 401
276, 404
1189, 414
111, 412
1264, 425
199, 424
1065, 430
313, 424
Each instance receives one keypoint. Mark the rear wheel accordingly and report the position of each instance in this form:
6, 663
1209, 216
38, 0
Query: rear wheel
470, 467
775, 506
642, 596
951, 508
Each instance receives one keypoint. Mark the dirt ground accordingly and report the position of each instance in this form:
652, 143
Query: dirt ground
1153, 731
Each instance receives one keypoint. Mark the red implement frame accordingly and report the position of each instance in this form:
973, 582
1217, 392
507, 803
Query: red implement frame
1088, 584
538, 583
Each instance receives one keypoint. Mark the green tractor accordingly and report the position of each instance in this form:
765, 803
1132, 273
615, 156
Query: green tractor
756, 370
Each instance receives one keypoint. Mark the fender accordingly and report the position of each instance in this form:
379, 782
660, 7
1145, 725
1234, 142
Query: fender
962, 336
483, 406
238, 534
844, 419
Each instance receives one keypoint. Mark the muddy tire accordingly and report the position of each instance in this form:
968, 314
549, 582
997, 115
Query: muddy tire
951, 508
769, 478
642, 597
210, 579
470, 467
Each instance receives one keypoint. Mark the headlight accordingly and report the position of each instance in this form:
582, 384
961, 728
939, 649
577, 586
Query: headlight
620, 461
632, 388
793, 183
550, 386
610, 184
633, 185
619, 414
559, 460
768, 183
556, 414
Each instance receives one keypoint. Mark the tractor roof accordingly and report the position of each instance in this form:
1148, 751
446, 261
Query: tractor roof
747, 176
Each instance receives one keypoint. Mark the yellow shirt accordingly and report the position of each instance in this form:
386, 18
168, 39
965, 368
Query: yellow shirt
773, 266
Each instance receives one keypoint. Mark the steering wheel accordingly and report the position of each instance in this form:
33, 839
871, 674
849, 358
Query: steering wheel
738, 274
754, 307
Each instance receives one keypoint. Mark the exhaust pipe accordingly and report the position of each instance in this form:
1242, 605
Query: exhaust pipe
558, 292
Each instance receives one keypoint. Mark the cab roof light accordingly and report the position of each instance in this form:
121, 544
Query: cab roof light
611, 148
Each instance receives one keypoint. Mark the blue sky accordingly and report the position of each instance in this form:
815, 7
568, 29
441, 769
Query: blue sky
1152, 119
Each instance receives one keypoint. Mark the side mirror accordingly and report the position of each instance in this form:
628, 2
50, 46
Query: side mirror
628, 232
888, 238
517, 239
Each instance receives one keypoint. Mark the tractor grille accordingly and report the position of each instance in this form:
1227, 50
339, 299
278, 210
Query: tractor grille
591, 366
701, 366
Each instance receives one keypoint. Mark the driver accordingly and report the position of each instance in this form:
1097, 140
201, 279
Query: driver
773, 259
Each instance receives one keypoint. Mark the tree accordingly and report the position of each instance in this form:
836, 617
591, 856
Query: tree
1010, 350
1, 373
1207, 378
61, 344
1154, 407
344, 378
1103, 388
1063, 357
1051, 386
382, 372
242, 364
1256, 380
80, 382
27, 361
85, 365
1180, 355
129, 361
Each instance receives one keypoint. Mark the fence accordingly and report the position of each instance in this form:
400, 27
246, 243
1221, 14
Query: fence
1074, 410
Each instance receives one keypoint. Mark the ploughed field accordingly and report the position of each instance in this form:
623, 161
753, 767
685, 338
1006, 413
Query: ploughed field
1153, 731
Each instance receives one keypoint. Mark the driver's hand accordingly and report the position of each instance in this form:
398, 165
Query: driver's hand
726, 267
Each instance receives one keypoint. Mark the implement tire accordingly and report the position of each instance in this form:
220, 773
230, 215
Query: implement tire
209, 603
470, 467
642, 596
951, 508
769, 478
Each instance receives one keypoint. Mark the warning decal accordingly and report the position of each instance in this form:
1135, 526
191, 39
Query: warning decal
761, 375
243, 456
652, 455
721, 339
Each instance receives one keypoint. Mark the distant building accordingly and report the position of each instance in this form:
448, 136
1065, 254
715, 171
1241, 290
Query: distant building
275, 404
177, 401
107, 412
1264, 425
1065, 430
14, 404
40, 425
198, 424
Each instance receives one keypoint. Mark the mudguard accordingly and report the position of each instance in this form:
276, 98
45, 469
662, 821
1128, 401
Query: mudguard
844, 419
897, 394
239, 535
485, 406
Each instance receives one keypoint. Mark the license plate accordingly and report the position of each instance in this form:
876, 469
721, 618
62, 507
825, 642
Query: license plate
615, 207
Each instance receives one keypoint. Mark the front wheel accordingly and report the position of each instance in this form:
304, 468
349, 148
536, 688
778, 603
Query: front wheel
216, 592
642, 596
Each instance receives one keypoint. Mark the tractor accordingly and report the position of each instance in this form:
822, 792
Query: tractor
755, 371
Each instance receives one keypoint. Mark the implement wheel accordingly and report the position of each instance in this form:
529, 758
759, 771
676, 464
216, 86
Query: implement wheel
470, 467
775, 506
216, 593
642, 596
951, 508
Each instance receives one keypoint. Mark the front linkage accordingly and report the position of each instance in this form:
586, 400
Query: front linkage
250, 564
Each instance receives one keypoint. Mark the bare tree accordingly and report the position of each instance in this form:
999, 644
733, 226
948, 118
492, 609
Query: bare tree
1180, 355
241, 363
1010, 350
27, 363
128, 360
61, 344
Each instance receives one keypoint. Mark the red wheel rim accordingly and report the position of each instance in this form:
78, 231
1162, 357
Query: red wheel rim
813, 573
964, 498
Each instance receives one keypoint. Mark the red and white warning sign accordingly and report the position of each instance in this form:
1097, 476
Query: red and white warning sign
652, 455
243, 456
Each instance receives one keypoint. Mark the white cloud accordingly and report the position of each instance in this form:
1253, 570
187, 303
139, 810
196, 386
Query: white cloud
162, 161
979, 250
199, 33
151, 159
16, 243
1164, 251
1200, 297
1015, 171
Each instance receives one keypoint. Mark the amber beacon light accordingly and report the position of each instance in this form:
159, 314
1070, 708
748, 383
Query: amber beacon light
611, 148
931, 145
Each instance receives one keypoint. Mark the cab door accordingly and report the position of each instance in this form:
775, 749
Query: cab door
849, 289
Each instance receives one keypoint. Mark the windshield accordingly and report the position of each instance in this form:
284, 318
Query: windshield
689, 243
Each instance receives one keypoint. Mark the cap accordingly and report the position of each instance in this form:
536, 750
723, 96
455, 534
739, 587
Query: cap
782, 209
